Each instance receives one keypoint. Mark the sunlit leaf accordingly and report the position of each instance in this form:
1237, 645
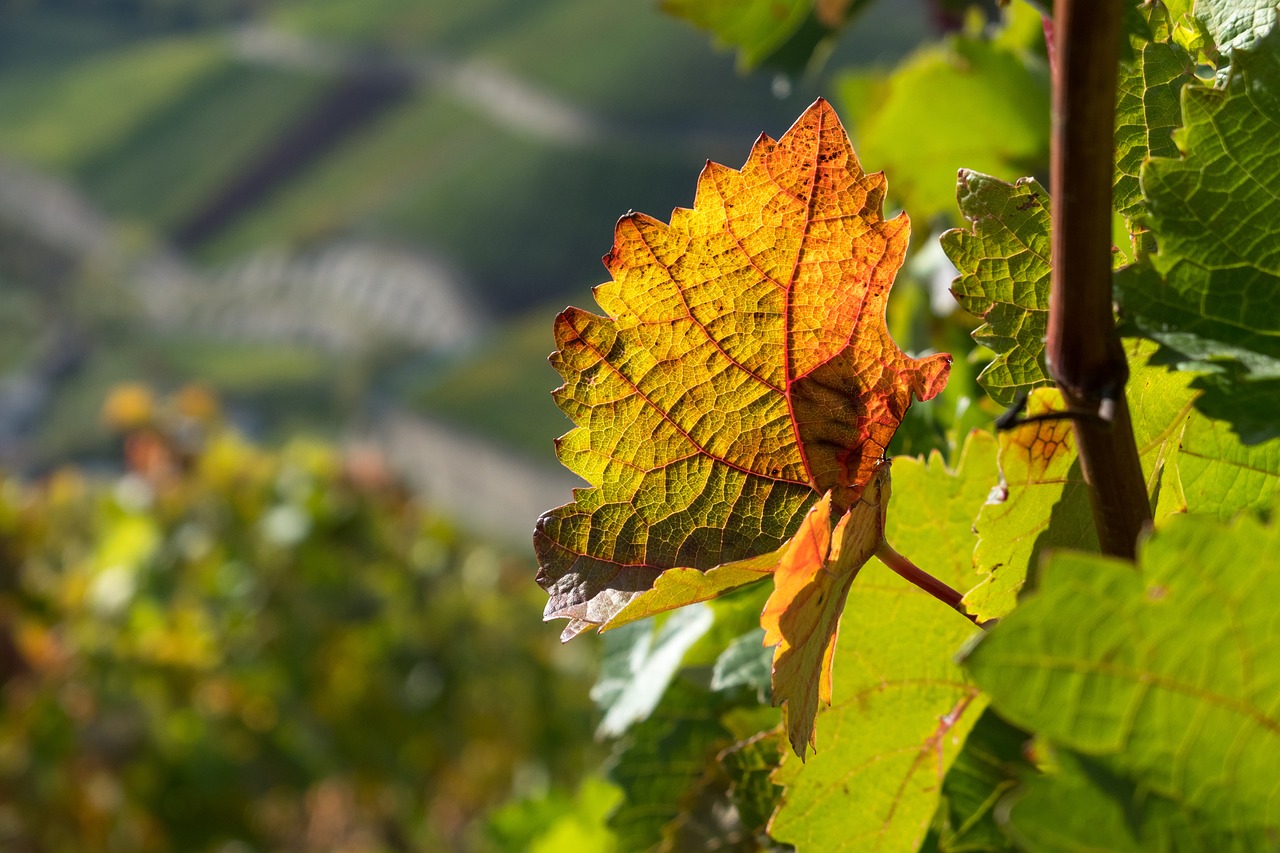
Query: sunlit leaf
1237, 23
902, 708
743, 371
1149, 90
1004, 277
1209, 295
1165, 676
802, 617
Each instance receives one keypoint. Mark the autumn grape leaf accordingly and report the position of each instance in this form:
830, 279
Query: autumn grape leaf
1004, 277
802, 616
743, 370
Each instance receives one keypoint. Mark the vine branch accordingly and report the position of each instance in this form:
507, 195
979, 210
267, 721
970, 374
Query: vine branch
1082, 348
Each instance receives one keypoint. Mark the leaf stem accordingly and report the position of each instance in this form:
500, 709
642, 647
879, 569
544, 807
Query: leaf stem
1082, 348
918, 576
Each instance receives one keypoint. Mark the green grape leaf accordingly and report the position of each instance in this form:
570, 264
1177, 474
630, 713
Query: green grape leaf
1164, 676
750, 765
1109, 813
1042, 502
744, 370
972, 102
786, 35
1236, 24
1208, 296
902, 708
1004, 277
1149, 90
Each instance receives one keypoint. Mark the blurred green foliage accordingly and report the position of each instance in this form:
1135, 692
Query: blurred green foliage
233, 648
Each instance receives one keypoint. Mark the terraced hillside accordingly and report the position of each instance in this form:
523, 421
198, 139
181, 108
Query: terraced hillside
497, 140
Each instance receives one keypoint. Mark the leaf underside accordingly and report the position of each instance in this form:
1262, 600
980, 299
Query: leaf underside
743, 369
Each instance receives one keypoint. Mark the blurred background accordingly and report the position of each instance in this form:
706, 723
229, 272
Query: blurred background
276, 288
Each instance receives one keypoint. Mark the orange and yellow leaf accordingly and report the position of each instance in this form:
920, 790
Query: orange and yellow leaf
802, 616
741, 370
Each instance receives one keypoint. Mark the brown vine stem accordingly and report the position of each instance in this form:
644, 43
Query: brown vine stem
1082, 348
921, 578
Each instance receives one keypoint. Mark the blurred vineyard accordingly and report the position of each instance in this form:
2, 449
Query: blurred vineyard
228, 648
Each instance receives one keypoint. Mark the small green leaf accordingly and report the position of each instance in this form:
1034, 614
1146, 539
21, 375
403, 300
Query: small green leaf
745, 662
1165, 676
786, 35
1004, 277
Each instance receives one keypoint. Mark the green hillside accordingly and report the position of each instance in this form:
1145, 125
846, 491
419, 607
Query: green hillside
152, 115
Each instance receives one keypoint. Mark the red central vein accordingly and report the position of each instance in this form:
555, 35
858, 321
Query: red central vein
667, 417
789, 367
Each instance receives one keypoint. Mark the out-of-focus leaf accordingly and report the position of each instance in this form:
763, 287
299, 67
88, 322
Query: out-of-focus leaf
786, 35
661, 759
750, 765
745, 369
802, 616
974, 103
558, 822
745, 662
1165, 676
639, 662
902, 709
1004, 277
1209, 295
1108, 813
